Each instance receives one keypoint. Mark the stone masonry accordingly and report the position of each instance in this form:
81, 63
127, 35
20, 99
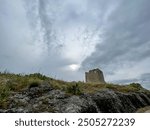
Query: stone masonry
94, 76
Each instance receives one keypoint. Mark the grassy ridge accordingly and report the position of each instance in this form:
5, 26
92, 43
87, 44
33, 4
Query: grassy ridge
16, 82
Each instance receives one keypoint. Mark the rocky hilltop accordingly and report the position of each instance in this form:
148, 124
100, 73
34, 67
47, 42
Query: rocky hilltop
45, 96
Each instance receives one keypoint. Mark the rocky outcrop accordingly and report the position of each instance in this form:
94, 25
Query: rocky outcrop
110, 101
43, 98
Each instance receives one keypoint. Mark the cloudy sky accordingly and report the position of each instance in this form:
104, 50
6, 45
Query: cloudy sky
65, 38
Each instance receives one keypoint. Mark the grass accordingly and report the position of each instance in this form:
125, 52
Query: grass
16, 82
144, 109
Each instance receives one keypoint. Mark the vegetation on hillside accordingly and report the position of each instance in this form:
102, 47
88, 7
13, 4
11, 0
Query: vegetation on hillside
16, 82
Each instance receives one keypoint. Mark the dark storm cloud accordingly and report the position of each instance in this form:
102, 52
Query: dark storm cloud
126, 36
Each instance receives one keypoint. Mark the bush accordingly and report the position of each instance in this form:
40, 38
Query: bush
135, 85
34, 84
110, 86
74, 89
4, 92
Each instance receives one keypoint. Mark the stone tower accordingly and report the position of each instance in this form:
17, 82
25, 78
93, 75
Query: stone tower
94, 76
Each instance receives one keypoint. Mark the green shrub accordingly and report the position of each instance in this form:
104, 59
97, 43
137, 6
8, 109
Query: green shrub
34, 84
110, 86
135, 85
4, 93
74, 89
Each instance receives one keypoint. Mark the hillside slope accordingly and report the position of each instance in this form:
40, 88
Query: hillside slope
38, 93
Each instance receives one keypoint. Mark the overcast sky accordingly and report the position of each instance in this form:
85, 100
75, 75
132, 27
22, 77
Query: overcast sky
65, 38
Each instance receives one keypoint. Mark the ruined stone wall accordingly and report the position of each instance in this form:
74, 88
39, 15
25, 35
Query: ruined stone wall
94, 76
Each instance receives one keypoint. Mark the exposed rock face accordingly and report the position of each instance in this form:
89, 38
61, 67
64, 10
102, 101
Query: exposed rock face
44, 98
110, 101
94, 76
